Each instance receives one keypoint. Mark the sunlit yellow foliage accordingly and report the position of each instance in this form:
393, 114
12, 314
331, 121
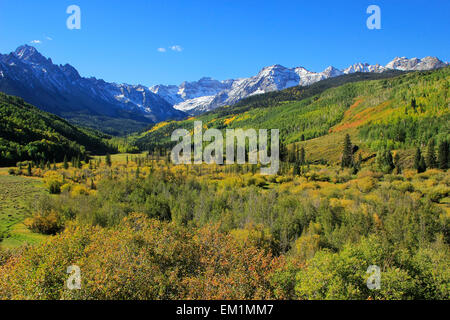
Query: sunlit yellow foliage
78, 190
229, 120
158, 126
366, 184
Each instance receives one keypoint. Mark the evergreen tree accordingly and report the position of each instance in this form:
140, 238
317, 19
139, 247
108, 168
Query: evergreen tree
66, 164
283, 152
417, 158
422, 165
137, 172
347, 154
291, 154
397, 165
108, 160
93, 187
443, 155
414, 104
302, 156
431, 155
296, 153
385, 161
357, 164
296, 171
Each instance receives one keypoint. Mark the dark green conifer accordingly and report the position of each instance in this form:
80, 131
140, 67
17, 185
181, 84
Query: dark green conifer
443, 155
347, 154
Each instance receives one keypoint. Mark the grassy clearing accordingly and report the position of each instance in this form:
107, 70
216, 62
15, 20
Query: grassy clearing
120, 157
15, 192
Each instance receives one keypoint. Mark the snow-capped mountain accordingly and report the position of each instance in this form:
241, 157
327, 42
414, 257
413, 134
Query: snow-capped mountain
191, 90
405, 64
61, 90
208, 94
364, 67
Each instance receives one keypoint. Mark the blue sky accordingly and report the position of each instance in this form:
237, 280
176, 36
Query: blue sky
223, 39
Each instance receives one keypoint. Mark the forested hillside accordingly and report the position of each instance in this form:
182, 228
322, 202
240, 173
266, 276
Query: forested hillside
394, 112
27, 133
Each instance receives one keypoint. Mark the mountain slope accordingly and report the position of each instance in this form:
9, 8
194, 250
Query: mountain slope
88, 101
211, 94
27, 133
191, 90
376, 113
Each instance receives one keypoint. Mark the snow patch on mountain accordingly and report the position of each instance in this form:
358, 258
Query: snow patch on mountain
200, 103
190, 90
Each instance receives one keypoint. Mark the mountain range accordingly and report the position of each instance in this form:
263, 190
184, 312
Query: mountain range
123, 108
60, 89
207, 94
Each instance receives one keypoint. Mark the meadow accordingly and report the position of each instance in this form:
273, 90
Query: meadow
142, 228
15, 194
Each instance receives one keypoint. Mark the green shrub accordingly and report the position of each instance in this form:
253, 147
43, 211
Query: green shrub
45, 223
54, 187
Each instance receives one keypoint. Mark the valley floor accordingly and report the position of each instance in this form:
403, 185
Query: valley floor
142, 228
15, 193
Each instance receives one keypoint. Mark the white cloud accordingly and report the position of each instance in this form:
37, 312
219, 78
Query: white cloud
176, 48
161, 49
36, 41
49, 38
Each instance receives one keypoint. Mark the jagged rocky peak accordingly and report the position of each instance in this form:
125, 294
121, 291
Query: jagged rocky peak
332, 72
187, 90
70, 71
58, 88
25, 51
272, 70
364, 67
28, 53
405, 64
402, 63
